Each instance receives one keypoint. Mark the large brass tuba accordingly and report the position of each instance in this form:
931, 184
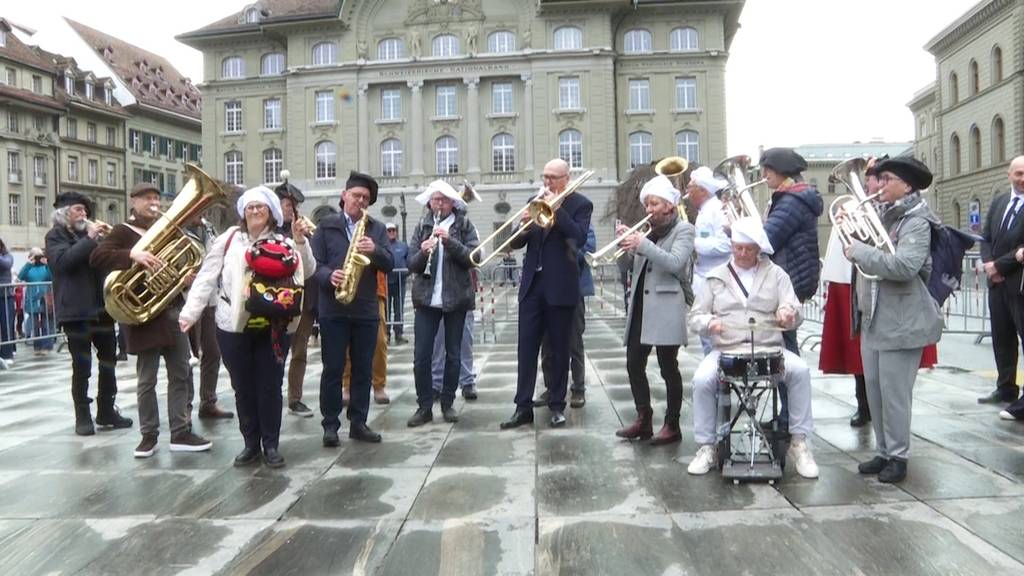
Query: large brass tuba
137, 295
736, 198
353, 266
853, 215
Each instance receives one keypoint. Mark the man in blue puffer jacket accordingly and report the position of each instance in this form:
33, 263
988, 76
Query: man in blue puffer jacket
792, 224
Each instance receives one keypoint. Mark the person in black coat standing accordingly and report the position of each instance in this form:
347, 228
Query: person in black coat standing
78, 303
548, 294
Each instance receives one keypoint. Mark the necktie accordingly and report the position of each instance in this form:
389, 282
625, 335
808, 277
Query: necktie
1010, 214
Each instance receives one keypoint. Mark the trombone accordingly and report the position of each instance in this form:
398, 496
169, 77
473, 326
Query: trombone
541, 213
602, 256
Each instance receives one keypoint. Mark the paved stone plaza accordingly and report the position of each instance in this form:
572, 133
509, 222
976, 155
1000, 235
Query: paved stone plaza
468, 499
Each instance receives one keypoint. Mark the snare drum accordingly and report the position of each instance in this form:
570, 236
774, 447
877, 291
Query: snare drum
757, 366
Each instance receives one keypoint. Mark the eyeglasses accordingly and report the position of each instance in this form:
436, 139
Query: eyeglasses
257, 208
554, 176
890, 178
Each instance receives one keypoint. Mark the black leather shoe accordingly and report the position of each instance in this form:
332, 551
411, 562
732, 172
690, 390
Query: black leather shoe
873, 466
449, 414
363, 433
998, 397
420, 418
273, 458
577, 399
860, 418
469, 393
542, 400
895, 471
557, 419
331, 439
520, 418
247, 456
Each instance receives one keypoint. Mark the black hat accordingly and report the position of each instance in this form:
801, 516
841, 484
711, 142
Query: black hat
143, 188
909, 169
72, 198
286, 191
364, 180
872, 170
784, 161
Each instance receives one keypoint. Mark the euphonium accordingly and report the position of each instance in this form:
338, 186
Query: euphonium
137, 295
853, 215
353, 266
736, 198
673, 167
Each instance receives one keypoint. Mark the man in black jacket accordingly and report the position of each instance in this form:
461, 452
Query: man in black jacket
78, 302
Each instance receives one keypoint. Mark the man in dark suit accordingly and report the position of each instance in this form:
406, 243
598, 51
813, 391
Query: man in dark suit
549, 293
1002, 234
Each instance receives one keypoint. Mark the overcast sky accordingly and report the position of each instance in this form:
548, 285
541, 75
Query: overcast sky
798, 73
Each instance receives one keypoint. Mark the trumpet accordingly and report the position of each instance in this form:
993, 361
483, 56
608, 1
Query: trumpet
853, 215
310, 227
736, 198
541, 213
601, 256
102, 228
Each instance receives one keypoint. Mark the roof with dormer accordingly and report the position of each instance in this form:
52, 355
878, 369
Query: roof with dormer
268, 12
17, 51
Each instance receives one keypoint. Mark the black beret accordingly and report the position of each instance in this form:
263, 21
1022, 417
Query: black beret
784, 161
143, 188
363, 180
909, 169
72, 198
286, 191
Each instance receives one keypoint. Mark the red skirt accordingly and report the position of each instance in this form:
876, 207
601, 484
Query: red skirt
839, 353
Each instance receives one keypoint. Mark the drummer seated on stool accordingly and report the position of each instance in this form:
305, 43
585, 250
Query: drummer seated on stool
747, 287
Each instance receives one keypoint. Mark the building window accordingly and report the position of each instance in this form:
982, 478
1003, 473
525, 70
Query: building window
570, 147
273, 162
503, 153
445, 45
39, 122
13, 167
37, 84
997, 64
569, 93
326, 166
391, 104
954, 154
232, 67
72, 169
233, 167
90, 132
272, 64
39, 203
111, 174
640, 95
391, 157
975, 77
390, 49
325, 106
133, 141
272, 115
252, 15
447, 151
501, 42
88, 90
113, 213
325, 53
684, 39
93, 172
975, 148
232, 117
108, 96
501, 98
12, 121
39, 170
72, 129
998, 141
69, 84
686, 93
3, 38
446, 101
954, 89
568, 38
111, 136
688, 145
153, 149
637, 41
640, 149
14, 209
12, 77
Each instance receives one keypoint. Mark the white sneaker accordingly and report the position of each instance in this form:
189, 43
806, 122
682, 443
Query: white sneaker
6, 364
193, 361
704, 461
801, 456
1006, 415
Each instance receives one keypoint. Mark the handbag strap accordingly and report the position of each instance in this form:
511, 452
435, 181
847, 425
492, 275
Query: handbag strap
739, 282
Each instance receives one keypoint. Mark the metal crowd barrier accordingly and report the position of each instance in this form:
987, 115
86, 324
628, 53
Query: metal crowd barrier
34, 321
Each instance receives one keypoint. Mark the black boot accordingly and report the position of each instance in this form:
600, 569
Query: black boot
863, 414
107, 414
83, 420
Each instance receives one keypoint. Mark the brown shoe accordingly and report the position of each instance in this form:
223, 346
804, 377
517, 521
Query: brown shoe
641, 429
381, 397
215, 413
668, 434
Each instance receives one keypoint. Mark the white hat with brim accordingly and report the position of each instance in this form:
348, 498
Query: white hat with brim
749, 230
262, 195
661, 187
444, 188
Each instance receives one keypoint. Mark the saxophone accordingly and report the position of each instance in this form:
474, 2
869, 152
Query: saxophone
353, 266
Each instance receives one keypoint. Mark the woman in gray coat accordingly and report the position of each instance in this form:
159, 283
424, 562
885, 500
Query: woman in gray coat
658, 304
894, 312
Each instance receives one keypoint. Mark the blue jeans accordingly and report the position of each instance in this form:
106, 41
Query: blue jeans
427, 322
359, 338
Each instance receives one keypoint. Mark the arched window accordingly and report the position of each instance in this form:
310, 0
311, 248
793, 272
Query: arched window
688, 145
272, 64
998, 141
975, 77
568, 38
570, 147
997, 64
501, 41
273, 162
445, 45
325, 53
232, 67
391, 157
503, 153
326, 163
954, 88
975, 148
684, 39
113, 213
636, 41
252, 15
447, 152
233, 167
957, 218
954, 154
922, 128
640, 149
390, 49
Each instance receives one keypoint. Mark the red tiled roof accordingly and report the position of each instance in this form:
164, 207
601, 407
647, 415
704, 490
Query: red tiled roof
273, 11
21, 53
63, 63
54, 102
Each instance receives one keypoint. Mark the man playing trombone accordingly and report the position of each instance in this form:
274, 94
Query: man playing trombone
549, 293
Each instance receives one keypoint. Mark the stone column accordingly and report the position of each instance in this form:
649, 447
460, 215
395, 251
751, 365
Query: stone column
415, 153
363, 110
473, 140
527, 128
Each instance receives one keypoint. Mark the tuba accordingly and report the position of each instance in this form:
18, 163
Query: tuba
736, 198
853, 215
353, 266
137, 295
